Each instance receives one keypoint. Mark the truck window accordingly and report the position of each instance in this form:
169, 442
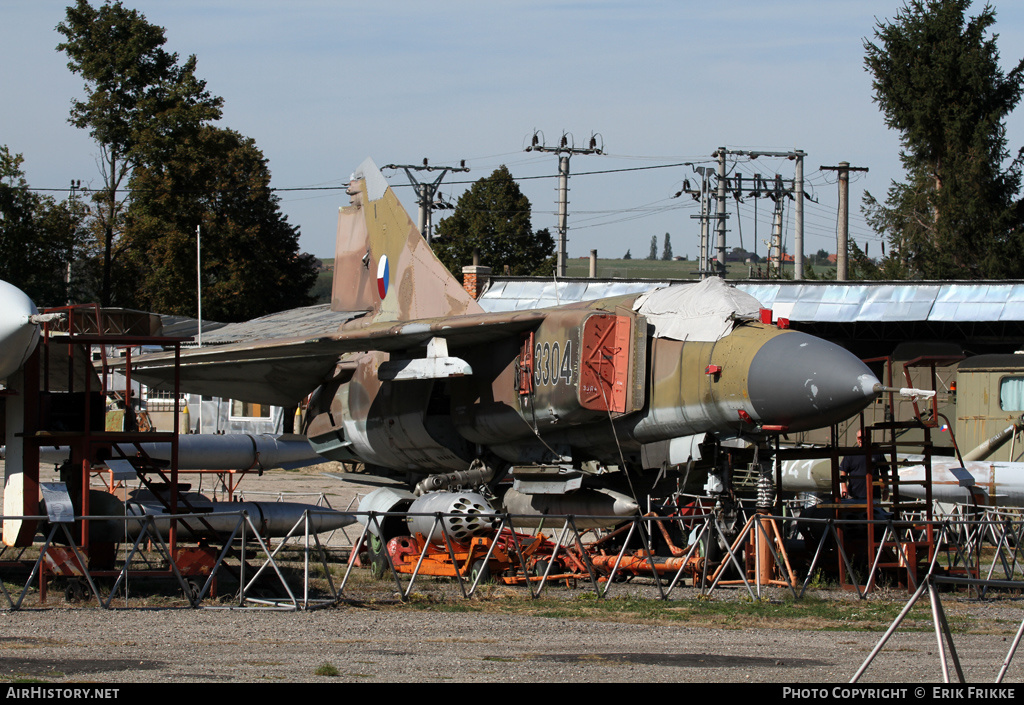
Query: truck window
1011, 394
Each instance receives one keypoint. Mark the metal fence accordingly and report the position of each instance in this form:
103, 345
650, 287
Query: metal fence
752, 559
244, 532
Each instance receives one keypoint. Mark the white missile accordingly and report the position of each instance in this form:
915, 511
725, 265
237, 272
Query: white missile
986, 483
19, 328
271, 519
236, 451
983, 482
205, 518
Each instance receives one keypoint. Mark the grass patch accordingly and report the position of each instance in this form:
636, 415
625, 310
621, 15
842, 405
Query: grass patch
328, 670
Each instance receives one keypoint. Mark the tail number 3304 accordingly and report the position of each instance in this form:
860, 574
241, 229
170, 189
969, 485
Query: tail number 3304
551, 364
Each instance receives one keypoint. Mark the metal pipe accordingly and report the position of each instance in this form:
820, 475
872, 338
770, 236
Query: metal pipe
1010, 653
890, 631
986, 448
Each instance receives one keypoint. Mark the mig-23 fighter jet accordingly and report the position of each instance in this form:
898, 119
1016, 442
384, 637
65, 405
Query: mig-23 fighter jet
423, 381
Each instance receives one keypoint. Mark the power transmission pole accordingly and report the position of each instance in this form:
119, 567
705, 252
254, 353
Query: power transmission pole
798, 236
756, 193
720, 266
76, 185
843, 229
704, 261
798, 189
775, 250
425, 191
564, 150
702, 196
737, 193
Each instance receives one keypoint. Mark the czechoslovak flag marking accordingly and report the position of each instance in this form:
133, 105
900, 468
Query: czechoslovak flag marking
382, 276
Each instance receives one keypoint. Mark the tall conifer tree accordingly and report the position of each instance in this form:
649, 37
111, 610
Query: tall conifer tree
938, 81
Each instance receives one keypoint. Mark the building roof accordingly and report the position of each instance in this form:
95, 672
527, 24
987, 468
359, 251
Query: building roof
805, 301
977, 311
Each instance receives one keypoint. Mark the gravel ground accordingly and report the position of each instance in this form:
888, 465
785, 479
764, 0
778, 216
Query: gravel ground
381, 643
147, 646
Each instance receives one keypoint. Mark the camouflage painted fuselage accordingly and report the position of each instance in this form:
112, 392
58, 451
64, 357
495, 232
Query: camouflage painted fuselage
589, 383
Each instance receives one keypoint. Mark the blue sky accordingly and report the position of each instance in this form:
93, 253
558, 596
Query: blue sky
321, 85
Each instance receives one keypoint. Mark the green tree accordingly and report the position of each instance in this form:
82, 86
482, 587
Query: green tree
937, 80
653, 255
39, 237
140, 102
628, 255
218, 180
666, 251
493, 216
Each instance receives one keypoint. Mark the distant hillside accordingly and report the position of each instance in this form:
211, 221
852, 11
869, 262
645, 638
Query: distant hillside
660, 269
609, 269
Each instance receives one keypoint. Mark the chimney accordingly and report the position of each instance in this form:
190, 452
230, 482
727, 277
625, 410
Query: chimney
593, 264
474, 279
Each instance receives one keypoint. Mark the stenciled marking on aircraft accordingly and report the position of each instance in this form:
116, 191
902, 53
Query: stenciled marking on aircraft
551, 365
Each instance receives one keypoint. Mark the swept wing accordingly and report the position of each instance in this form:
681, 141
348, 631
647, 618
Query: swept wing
284, 371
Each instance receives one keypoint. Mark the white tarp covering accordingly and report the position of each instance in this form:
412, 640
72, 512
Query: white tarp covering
701, 312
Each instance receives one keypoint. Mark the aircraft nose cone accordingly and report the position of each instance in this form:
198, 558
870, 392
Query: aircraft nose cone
803, 382
18, 335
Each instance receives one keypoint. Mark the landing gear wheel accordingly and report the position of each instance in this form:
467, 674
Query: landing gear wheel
74, 591
378, 561
480, 570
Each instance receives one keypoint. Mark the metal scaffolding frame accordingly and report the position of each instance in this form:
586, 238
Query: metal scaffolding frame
955, 560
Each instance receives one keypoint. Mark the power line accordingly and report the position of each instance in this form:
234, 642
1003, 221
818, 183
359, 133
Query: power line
292, 189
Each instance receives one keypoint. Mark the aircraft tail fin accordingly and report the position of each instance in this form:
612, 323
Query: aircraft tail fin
383, 264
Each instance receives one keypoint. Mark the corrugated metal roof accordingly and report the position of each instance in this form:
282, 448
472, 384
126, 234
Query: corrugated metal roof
810, 302
528, 294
